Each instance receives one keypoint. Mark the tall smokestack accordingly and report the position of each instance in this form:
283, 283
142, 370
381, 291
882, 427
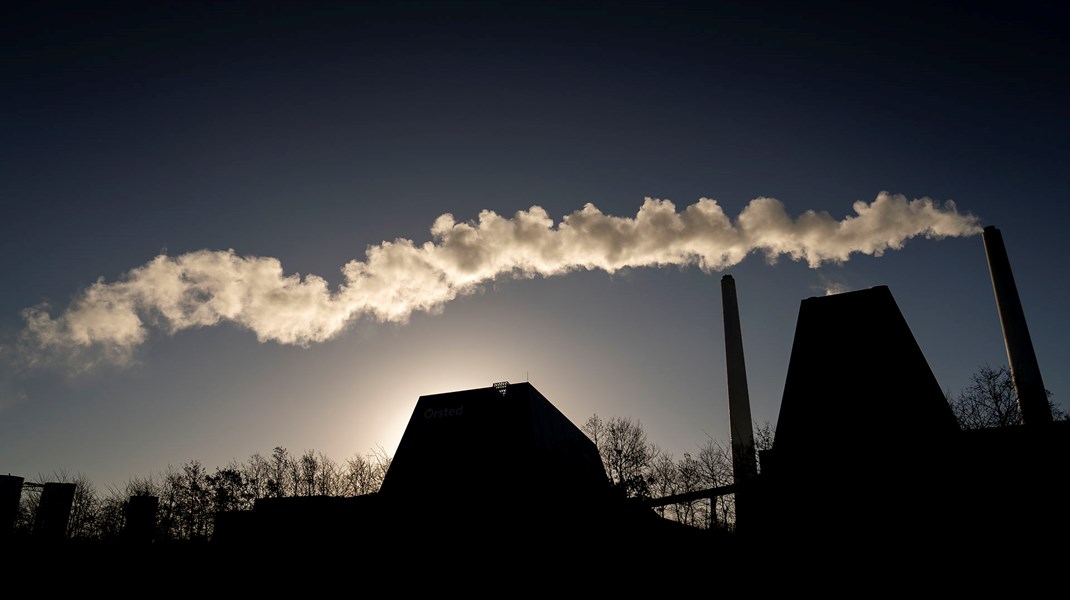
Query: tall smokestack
1029, 387
744, 466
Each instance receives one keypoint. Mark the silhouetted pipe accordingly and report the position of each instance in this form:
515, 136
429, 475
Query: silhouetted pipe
710, 493
1028, 385
744, 465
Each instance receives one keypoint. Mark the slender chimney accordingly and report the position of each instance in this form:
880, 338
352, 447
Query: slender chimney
1028, 386
744, 465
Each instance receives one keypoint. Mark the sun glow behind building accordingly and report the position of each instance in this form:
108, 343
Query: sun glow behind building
309, 137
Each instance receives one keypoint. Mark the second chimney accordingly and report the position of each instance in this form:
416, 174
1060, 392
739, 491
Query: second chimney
1025, 371
744, 465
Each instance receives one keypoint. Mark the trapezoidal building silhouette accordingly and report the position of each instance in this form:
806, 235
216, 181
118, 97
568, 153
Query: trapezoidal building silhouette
868, 452
501, 440
499, 464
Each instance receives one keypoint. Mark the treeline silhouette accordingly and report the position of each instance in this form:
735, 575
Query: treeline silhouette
638, 468
989, 401
190, 496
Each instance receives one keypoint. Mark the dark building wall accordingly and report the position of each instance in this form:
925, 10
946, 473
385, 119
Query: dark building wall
477, 442
857, 379
141, 519
862, 442
471, 465
54, 511
10, 494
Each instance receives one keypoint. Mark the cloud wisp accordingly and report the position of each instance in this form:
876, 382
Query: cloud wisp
107, 321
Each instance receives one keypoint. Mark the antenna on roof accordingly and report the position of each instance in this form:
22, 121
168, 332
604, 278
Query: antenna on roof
501, 386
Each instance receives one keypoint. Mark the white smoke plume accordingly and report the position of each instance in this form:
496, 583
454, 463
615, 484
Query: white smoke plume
107, 321
833, 289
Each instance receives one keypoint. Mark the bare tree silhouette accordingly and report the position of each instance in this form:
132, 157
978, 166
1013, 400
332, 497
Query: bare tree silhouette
626, 454
990, 401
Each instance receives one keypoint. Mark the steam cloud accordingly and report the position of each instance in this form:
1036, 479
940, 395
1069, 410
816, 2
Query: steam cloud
107, 321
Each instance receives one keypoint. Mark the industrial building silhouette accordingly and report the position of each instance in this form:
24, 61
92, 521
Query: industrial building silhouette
506, 439
868, 451
867, 455
498, 464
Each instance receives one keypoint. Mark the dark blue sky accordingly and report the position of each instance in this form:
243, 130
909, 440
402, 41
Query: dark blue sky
309, 133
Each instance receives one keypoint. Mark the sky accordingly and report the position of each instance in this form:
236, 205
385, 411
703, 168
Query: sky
223, 223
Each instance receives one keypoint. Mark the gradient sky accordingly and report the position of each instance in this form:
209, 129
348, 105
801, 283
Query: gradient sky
309, 133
